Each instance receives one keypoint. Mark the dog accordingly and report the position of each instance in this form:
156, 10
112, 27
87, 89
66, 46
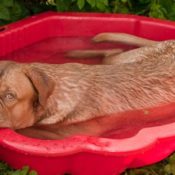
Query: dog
55, 101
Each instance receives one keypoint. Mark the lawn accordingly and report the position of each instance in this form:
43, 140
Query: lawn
6, 170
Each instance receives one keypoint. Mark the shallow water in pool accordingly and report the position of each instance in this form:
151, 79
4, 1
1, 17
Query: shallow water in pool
53, 50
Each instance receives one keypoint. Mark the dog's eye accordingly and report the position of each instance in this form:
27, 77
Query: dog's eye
9, 96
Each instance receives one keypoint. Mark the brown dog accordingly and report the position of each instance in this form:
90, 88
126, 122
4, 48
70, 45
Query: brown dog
62, 100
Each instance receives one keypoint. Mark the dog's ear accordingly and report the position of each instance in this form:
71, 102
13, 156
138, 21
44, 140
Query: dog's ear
41, 82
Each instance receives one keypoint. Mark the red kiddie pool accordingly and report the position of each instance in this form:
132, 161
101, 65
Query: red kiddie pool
45, 38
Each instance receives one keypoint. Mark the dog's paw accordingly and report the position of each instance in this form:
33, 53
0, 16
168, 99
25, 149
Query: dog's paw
102, 37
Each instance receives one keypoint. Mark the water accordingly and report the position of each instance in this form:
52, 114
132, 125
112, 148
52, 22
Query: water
53, 50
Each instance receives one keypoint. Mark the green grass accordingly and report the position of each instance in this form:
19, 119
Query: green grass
6, 170
13, 10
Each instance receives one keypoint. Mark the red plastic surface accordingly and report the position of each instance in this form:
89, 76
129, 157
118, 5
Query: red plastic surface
45, 38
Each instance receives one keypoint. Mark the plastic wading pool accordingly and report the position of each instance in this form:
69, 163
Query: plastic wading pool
45, 38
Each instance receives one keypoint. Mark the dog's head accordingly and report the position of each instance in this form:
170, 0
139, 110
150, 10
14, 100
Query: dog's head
23, 94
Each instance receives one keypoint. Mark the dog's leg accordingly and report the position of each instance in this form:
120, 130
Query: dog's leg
116, 56
123, 38
119, 57
92, 53
113, 56
130, 56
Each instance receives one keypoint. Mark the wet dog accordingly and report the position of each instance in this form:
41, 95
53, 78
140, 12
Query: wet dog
53, 101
